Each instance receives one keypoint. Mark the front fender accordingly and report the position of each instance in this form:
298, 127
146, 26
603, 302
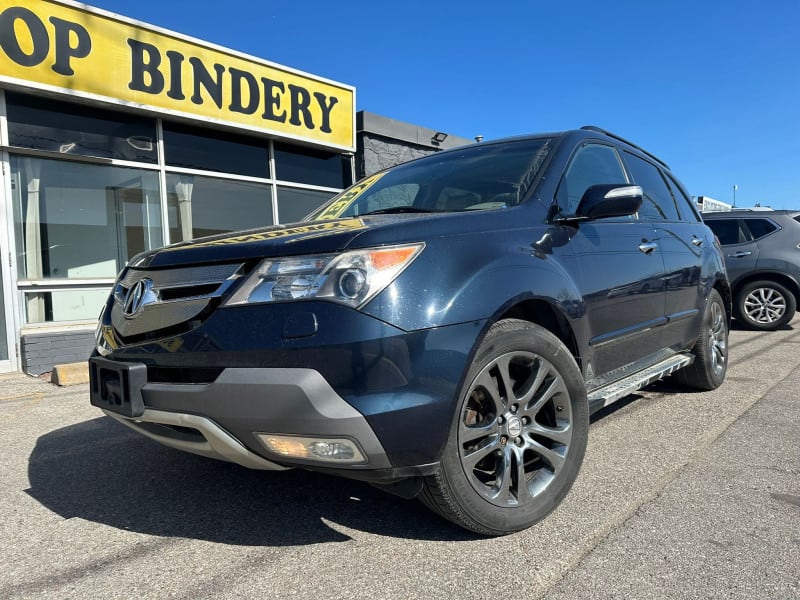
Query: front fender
460, 279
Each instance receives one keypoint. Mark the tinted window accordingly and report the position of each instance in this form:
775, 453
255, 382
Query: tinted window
760, 227
728, 231
68, 128
81, 221
685, 205
657, 202
311, 167
478, 177
592, 165
198, 206
294, 204
193, 148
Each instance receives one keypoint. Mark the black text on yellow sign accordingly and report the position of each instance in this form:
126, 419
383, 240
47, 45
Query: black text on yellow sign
77, 50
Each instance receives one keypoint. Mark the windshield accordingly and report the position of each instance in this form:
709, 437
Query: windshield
479, 177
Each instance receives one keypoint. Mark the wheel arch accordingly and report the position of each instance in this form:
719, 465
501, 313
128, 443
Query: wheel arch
781, 278
543, 313
725, 291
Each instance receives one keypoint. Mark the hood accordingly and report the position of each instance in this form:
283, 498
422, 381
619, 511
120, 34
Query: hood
317, 237
280, 240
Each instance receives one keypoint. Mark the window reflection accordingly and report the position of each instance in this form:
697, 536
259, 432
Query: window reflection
64, 305
79, 221
313, 167
67, 128
193, 148
199, 206
294, 204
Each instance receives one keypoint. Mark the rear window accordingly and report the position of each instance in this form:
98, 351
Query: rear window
760, 227
729, 231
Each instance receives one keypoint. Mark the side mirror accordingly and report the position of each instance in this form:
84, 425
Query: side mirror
609, 200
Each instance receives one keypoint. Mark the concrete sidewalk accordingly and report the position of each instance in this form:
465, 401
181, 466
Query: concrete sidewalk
18, 386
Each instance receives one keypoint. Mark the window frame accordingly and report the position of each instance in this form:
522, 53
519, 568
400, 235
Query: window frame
746, 226
576, 151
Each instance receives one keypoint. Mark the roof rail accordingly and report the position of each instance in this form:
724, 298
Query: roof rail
622, 139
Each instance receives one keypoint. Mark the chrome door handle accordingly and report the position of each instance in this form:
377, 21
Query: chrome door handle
647, 247
740, 254
697, 242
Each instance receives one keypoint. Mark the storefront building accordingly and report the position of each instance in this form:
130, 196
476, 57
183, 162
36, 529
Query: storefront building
117, 137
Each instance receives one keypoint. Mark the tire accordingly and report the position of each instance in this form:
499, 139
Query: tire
764, 305
509, 461
707, 372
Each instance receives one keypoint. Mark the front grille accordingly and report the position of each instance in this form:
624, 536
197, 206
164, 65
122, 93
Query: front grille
167, 297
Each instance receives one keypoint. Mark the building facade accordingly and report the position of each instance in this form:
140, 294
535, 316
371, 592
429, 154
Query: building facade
118, 137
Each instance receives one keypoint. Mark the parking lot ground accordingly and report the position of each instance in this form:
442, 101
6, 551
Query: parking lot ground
682, 495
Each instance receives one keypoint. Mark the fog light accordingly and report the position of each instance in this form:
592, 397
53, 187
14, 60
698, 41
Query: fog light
338, 450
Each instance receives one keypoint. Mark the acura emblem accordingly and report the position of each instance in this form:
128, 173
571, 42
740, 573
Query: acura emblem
138, 296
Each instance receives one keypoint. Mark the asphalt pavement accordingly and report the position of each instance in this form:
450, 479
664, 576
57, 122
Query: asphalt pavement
681, 495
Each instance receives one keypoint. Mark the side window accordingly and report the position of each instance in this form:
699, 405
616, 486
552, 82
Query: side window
657, 201
592, 165
685, 206
728, 231
760, 227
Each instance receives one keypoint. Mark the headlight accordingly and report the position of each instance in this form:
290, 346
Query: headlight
352, 278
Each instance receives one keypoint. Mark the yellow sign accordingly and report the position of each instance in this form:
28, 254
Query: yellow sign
335, 209
303, 232
66, 47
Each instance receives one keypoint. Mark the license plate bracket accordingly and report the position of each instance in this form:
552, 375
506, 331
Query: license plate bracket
117, 386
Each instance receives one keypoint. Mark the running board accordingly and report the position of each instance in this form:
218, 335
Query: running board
612, 392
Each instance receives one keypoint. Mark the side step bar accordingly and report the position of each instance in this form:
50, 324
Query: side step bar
612, 392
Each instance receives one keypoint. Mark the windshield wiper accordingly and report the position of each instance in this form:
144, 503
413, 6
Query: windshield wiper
397, 210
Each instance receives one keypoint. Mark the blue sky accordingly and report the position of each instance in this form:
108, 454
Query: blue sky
711, 87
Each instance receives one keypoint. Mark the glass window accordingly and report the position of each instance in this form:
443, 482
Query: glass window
80, 221
294, 204
760, 227
728, 231
199, 206
193, 148
312, 167
64, 305
44, 124
392, 197
685, 205
494, 176
657, 201
593, 164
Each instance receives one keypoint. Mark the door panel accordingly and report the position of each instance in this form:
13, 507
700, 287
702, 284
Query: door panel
623, 287
682, 244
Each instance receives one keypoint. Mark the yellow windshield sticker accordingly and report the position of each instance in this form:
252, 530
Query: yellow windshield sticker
335, 210
304, 232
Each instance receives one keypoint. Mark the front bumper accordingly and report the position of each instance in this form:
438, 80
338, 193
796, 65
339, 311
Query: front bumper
212, 390
215, 419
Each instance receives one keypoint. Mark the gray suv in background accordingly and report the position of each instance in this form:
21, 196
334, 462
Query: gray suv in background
762, 256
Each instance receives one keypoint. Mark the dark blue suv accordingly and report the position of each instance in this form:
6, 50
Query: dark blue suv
442, 329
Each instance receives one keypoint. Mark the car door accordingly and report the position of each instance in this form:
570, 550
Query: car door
618, 266
681, 239
738, 247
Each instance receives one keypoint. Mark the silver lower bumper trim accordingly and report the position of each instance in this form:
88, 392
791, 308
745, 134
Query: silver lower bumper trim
212, 441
